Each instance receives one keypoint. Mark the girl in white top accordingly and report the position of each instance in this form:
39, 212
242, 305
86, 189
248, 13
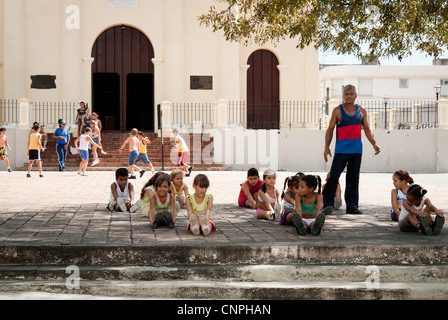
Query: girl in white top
83, 148
269, 207
402, 181
414, 217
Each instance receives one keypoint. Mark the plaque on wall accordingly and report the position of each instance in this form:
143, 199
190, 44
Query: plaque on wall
43, 82
201, 82
123, 4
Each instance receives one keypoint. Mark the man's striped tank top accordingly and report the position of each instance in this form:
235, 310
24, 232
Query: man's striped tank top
348, 132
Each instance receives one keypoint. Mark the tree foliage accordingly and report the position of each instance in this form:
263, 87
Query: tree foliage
369, 29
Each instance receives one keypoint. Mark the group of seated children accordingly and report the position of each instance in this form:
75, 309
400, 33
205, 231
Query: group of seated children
300, 204
302, 189
412, 208
162, 197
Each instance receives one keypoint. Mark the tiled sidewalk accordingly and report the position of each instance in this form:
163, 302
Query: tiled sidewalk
66, 209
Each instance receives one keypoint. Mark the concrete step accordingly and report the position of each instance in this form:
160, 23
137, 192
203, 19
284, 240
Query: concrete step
217, 290
226, 254
234, 273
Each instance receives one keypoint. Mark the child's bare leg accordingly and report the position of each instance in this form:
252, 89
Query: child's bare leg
263, 214
413, 221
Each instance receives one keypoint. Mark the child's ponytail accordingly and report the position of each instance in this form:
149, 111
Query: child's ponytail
417, 191
319, 183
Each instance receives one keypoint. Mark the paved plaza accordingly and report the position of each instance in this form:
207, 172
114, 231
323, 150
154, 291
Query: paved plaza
63, 208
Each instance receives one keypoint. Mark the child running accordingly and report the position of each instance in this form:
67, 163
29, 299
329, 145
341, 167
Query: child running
178, 188
142, 155
413, 217
148, 191
162, 204
82, 145
133, 143
199, 207
122, 193
289, 197
34, 147
249, 190
309, 216
96, 137
402, 181
269, 207
182, 152
3, 145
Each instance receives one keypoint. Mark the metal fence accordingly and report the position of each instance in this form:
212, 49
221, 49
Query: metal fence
48, 113
398, 115
390, 115
187, 114
9, 111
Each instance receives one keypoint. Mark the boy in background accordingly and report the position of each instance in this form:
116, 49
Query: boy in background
34, 147
133, 143
3, 145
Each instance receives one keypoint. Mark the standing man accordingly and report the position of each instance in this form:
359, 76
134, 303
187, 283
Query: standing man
63, 141
349, 118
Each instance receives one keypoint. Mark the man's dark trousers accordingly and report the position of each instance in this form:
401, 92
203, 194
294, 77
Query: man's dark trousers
353, 163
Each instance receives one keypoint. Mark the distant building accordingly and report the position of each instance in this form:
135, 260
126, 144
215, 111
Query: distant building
124, 57
374, 82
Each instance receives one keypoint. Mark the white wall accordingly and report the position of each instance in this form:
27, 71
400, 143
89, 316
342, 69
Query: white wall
2, 49
417, 151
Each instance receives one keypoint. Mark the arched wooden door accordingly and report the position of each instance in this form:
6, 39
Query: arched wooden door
263, 91
123, 79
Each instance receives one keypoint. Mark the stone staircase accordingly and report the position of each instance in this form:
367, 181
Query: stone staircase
113, 160
261, 272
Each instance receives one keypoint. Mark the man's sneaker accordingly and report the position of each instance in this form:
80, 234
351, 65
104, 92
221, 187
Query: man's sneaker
103, 152
84, 174
318, 224
41, 175
122, 205
95, 162
298, 224
204, 225
132, 177
9, 170
438, 225
425, 227
28, 175
327, 210
356, 211
194, 225
135, 207
277, 211
189, 171
142, 172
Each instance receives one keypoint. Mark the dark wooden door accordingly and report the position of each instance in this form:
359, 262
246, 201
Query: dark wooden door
125, 50
140, 101
106, 99
263, 91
